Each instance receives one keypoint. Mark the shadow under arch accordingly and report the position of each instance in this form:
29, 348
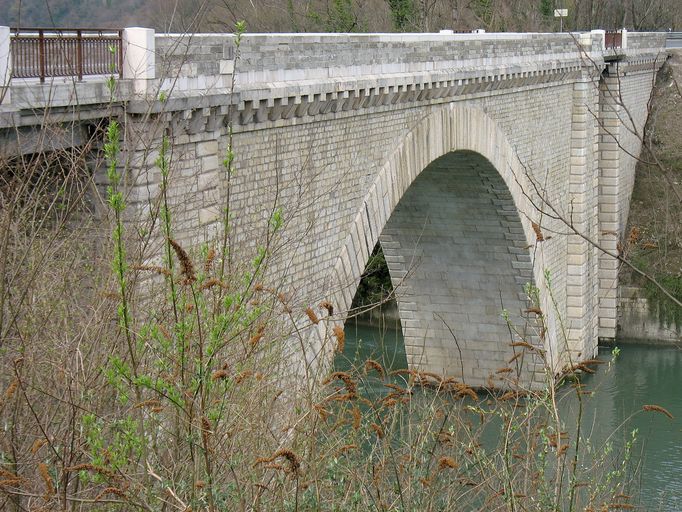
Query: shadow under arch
497, 183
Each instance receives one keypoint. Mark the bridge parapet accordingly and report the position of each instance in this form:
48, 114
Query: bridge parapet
646, 42
281, 70
284, 76
276, 60
268, 58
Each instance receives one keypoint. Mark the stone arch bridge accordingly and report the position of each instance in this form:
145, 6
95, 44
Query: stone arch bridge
488, 166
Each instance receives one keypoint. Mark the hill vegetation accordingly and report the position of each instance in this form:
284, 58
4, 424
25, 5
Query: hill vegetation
654, 243
344, 15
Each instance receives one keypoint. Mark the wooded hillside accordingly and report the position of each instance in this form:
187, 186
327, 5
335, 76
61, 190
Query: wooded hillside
344, 15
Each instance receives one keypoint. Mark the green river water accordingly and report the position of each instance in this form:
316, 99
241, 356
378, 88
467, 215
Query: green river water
639, 375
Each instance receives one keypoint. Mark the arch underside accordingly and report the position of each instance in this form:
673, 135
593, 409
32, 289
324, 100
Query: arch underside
459, 262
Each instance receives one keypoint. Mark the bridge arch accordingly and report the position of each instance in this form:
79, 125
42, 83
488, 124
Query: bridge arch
453, 148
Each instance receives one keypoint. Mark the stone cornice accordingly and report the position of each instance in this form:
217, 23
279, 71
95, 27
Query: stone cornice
307, 100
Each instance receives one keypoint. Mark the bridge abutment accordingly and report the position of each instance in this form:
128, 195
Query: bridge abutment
625, 89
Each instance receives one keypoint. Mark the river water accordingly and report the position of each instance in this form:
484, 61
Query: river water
639, 375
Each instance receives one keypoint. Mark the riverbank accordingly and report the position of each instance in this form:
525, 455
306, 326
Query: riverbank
614, 424
640, 321
653, 240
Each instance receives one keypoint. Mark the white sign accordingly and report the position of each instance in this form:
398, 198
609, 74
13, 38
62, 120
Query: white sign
560, 13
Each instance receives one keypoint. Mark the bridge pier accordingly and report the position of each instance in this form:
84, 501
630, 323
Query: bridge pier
582, 256
609, 192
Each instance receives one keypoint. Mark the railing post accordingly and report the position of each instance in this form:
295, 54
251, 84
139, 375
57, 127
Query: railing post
585, 40
79, 54
120, 53
41, 54
5, 64
599, 39
139, 59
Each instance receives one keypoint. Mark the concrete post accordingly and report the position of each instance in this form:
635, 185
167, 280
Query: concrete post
5, 64
139, 59
624, 40
599, 37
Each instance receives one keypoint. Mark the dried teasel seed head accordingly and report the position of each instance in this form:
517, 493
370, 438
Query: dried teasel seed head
110, 490
371, 364
447, 463
219, 374
658, 408
187, 268
257, 336
210, 257
357, 418
37, 445
11, 389
312, 316
340, 338
325, 304
47, 479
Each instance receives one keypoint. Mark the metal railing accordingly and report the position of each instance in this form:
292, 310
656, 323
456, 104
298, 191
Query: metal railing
42, 53
613, 39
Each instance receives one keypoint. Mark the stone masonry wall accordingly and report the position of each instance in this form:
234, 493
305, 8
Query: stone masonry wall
335, 128
625, 92
339, 161
635, 87
320, 173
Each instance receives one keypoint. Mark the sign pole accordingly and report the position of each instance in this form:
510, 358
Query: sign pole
561, 14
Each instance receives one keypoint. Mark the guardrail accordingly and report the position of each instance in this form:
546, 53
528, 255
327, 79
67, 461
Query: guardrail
42, 53
613, 39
